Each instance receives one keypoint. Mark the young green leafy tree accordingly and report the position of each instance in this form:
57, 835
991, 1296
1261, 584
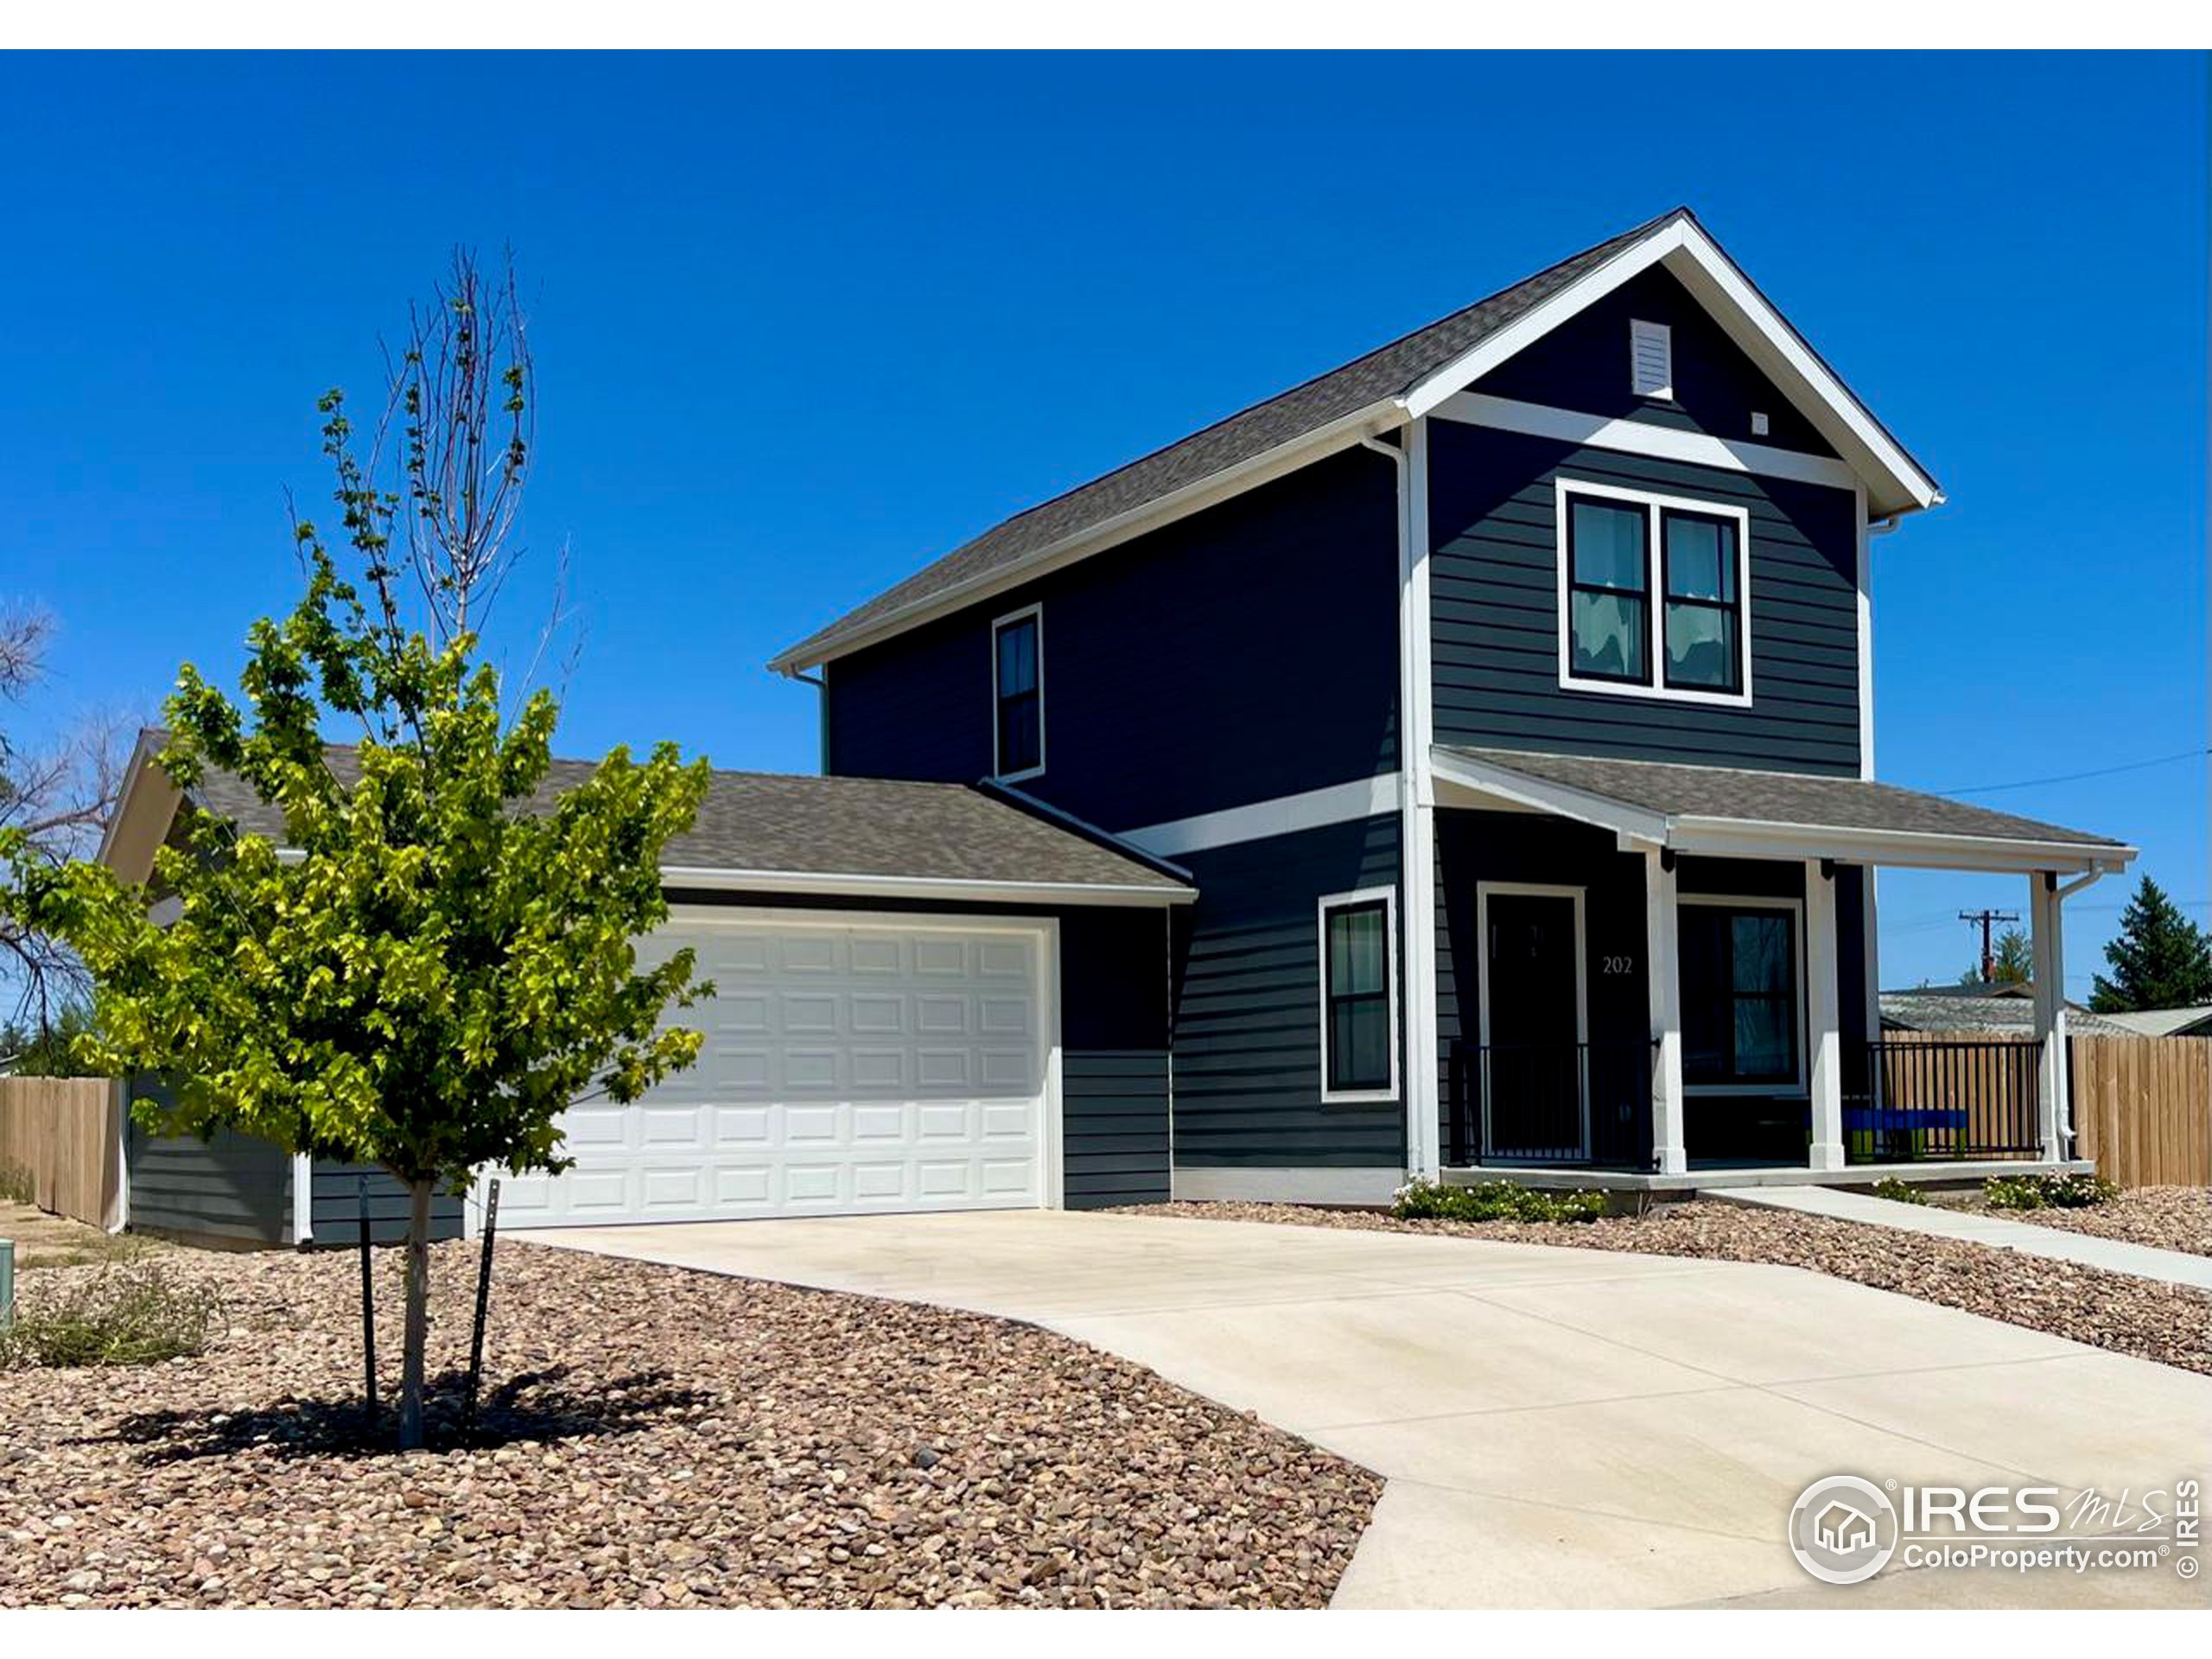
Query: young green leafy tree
2160, 959
439, 960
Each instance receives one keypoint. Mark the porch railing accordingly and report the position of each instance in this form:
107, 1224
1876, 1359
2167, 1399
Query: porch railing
1916, 1102
1552, 1103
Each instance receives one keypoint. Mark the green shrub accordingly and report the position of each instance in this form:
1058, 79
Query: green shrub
2047, 1191
129, 1313
1423, 1200
1897, 1191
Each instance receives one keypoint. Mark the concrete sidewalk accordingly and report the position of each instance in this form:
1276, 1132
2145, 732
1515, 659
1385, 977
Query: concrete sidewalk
2114, 1255
1557, 1428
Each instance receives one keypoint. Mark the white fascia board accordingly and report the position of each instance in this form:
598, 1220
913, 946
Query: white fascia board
143, 815
1896, 484
1748, 838
1363, 798
1644, 438
1382, 416
921, 887
1635, 823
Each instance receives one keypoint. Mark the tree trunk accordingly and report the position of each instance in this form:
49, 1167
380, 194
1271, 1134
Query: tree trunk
418, 1315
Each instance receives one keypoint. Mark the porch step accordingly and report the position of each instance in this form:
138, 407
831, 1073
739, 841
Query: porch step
2085, 1250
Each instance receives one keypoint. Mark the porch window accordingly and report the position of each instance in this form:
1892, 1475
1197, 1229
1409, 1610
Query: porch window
1739, 996
1359, 994
1018, 694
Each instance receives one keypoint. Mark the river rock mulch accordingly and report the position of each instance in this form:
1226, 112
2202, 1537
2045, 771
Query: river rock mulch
2151, 1319
651, 1437
2165, 1217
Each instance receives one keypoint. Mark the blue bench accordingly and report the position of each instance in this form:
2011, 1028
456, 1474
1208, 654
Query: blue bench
1898, 1120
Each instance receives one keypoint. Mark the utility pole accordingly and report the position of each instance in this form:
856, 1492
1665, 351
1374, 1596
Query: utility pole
1986, 919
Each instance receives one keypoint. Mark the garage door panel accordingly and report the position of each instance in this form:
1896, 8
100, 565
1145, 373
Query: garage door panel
846, 1068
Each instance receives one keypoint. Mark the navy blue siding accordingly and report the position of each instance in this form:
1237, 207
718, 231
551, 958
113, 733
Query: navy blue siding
1495, 608
336, 1212
1246, 652
1248, 1049
1477, 847
1114, 1056
1584, 365
231, 1188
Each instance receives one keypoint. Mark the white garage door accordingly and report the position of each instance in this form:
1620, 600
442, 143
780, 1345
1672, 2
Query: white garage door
849, 1066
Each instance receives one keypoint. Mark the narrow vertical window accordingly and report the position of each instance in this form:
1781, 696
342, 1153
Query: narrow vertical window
1704, 601
1609, 585
1017, 690
1358, 992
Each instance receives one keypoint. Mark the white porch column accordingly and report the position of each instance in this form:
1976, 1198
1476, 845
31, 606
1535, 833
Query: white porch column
2050, 959
1823, 1017
1662, 974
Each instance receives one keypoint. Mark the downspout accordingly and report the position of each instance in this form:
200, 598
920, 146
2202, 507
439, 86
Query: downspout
822, 720
2062, 1070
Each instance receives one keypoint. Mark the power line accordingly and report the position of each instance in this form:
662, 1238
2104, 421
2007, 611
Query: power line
2075, 776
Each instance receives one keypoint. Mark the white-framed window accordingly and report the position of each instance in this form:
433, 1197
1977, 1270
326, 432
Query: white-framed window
1654, 595
1742, 967
1018, 694
1358, 934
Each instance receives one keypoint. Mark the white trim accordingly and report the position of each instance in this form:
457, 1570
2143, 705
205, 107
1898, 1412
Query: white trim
302, 1200
1802, 1082
1824, 1015
1363, 798
1756, 838
1387, 897
1382, 416
920, 886
1286, 1185
1745, 314
1031, 613
1635, 437
1484, 890
118, 1214
1417, 830
1654, 505
1664, 993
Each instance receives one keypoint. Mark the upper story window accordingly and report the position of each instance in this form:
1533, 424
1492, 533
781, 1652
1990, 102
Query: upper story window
1018, 694
1359, 1042
1651, 591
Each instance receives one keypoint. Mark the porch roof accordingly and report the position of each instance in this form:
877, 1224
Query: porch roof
1734, 811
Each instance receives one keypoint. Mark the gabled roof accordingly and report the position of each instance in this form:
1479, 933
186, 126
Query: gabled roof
1736, 810
1952, 1009
774, 832
1374, 394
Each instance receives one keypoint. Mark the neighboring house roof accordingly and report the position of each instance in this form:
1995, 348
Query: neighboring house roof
1373, 394
1728, 809
775, 832
1963, 1011
2165, 1022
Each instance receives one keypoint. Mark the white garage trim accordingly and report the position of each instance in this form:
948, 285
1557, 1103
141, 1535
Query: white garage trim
950, 888
1042, 933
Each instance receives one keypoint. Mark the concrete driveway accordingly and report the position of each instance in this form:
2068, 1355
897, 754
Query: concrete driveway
1557, 1427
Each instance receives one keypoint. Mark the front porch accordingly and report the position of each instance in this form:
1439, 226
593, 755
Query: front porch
1661, 978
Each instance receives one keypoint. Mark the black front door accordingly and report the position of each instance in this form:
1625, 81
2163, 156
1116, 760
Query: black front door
1531, 1075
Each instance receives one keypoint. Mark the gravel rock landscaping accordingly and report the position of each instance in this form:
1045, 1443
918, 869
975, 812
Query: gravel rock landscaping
2143, 1317
2165, 1217
651, 1437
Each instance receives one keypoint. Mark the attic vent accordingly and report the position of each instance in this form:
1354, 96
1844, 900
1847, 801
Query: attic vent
1651, 360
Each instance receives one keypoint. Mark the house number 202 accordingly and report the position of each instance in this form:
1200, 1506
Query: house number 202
1620, 965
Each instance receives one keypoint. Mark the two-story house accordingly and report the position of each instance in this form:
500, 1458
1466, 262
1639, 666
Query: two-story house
1461, 761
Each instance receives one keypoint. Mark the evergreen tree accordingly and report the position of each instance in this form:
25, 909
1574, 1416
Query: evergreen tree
2160, 960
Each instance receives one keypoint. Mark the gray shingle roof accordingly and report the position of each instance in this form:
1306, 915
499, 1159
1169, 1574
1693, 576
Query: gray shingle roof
1787, 798
772, 821
1387, 371
1967, 1013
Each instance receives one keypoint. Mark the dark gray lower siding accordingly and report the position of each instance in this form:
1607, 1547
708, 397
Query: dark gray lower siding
231, 1189
337, 1207
1248, 1046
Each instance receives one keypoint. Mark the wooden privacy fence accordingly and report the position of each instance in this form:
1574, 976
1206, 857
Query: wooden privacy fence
2143, 1108
60, 1134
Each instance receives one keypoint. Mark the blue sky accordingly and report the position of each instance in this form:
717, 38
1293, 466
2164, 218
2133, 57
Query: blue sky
803, 323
